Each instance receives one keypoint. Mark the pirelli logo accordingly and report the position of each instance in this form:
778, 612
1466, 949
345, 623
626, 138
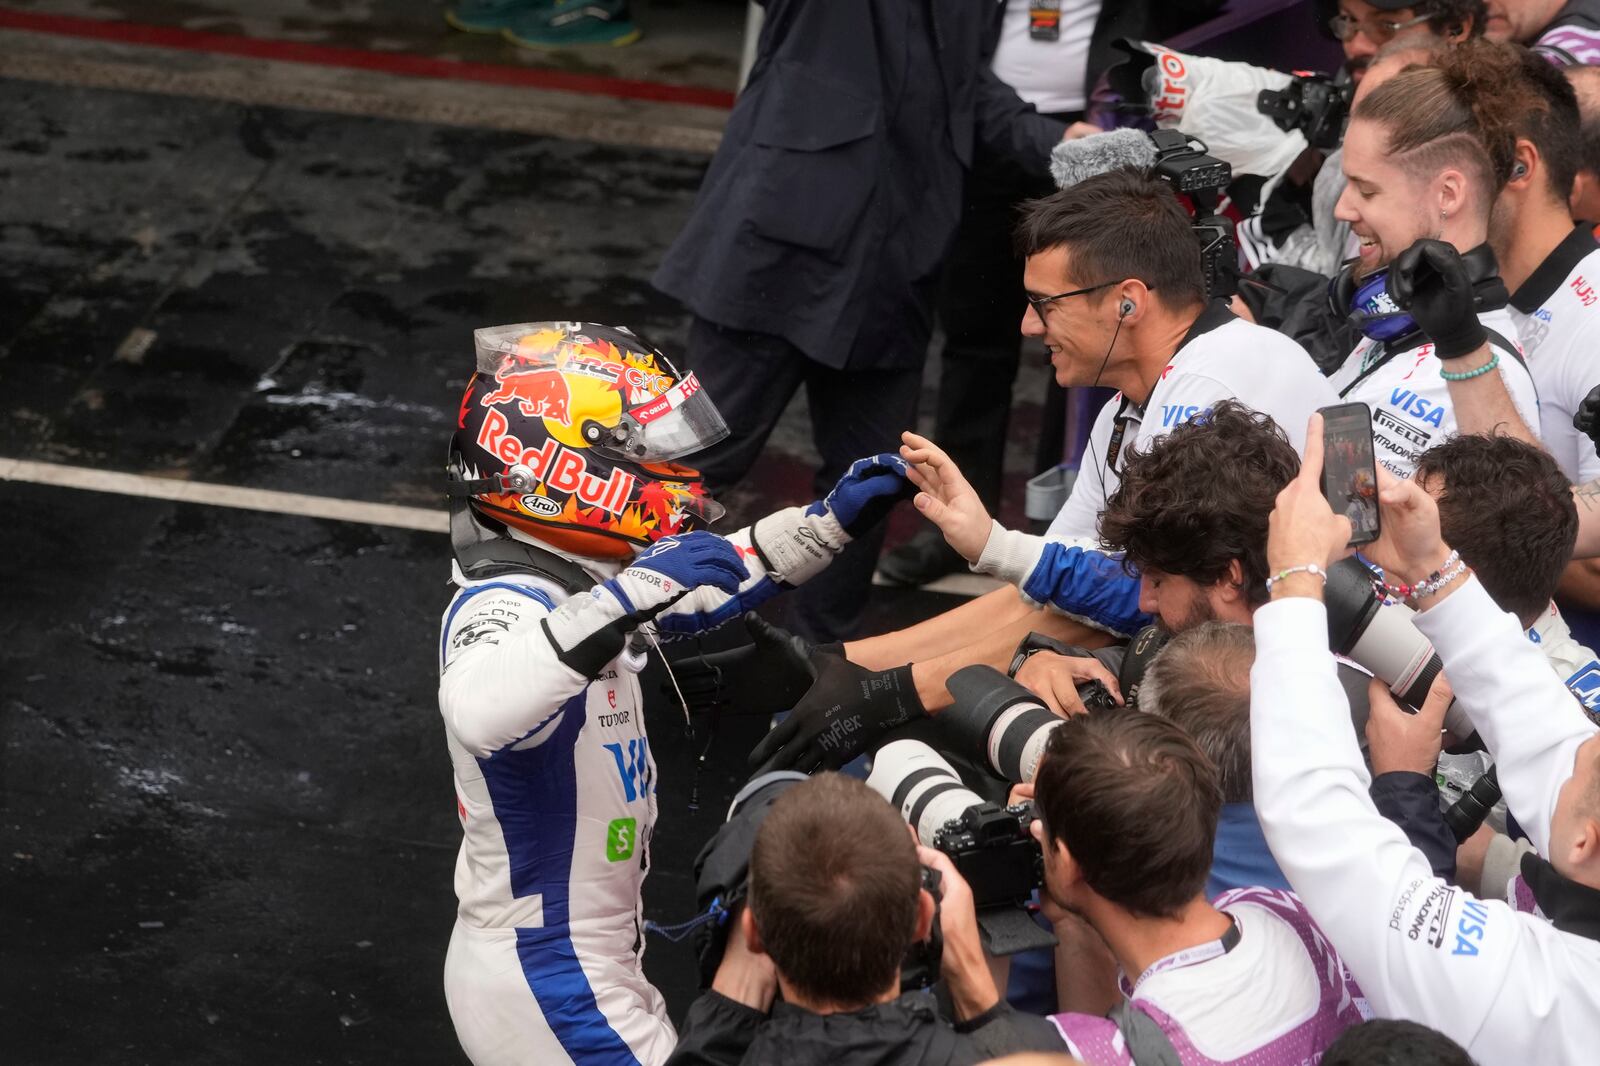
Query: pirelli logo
1419, 437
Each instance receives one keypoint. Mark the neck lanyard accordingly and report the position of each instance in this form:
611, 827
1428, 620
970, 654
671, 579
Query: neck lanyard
1211, 949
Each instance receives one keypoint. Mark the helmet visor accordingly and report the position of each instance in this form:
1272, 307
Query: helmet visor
679, 422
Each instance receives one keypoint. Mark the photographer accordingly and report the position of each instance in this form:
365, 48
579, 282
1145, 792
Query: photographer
1117, 293
836, 899
1507, 986
1127, 810
1425, 156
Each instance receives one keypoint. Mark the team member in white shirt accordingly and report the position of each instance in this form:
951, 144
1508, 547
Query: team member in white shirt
1510, 987
1117, 294
1423, 170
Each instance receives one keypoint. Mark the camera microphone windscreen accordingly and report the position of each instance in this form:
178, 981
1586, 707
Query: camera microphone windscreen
1100, 153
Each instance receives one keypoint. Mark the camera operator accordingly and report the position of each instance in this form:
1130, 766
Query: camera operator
836, 899
1127, 809
1364, 28
1509, 987
1117, 292
1425, 156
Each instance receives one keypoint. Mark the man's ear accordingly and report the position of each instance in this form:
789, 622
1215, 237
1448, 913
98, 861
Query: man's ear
1232, 583
1523, 167
1583, 852
926, 909
1453, 192
752, 936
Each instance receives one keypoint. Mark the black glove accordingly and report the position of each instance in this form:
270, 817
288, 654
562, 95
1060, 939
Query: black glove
846, 710
1429, 280
766, 676
1587, 418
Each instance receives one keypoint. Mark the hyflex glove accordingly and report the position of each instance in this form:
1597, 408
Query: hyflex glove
1586, 419
1430, 280
846, 711
797, 543
589, 631
768, 675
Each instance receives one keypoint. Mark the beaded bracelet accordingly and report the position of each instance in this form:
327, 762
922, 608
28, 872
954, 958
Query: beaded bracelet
1468, 375
1453, 568
1308, 568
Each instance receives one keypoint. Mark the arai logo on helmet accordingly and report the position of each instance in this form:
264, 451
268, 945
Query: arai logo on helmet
541, 506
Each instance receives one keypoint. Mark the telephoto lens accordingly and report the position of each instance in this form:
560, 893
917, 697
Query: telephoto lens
921, 785
997, 721
1383, 639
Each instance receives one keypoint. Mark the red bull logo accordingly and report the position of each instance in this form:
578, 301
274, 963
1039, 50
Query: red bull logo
539, 393
561, 469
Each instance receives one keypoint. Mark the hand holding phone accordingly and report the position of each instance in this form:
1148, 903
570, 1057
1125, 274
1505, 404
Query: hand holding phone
1349, 468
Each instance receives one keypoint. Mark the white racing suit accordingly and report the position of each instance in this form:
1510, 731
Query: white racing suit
555, 788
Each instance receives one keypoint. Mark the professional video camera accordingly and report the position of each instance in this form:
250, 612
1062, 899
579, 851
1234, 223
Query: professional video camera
1316, 105
989, 845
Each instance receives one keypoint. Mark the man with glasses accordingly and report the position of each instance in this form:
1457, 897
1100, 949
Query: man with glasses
1363, 27
1117, 294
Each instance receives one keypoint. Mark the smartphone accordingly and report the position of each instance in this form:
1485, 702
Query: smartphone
1349, 468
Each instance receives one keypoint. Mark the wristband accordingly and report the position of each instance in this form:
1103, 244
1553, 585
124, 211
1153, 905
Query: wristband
1468, 375
1308, 568
1033, 644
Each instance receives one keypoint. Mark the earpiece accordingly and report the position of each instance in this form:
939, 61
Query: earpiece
1126, 309
1519, 169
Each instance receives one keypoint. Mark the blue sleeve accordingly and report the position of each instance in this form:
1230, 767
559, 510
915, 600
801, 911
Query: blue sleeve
1088, 584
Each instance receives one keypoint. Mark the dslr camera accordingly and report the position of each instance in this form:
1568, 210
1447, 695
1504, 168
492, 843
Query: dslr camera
1315, 104
991, 846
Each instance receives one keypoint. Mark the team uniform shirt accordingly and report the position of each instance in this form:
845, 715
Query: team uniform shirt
1222, 357
556, 792
1508, 987
1557, 315
1050, 75
1278, 997
1573, 36
1410, 402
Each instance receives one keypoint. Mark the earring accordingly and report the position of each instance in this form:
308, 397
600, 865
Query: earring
1443, 215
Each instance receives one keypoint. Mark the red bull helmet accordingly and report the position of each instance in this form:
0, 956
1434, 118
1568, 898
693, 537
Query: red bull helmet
568, 432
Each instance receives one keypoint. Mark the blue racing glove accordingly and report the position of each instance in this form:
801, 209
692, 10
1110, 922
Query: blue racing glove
797, 543
589, 631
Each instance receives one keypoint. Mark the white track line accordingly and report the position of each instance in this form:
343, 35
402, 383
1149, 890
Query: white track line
271, 501
214, 495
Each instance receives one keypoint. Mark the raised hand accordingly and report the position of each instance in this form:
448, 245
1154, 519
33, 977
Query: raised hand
947, 499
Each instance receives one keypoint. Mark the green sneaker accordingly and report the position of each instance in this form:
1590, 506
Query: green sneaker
575, 22
492, 16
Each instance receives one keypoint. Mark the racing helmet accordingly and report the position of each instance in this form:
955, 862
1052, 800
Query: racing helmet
567, 432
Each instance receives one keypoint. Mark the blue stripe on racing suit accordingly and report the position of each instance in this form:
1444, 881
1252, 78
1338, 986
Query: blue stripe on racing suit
467, 593
1089, 584
535, 797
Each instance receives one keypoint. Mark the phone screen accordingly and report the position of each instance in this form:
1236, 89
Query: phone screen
1349, 472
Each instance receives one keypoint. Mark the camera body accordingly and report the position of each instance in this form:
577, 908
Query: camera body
1187, 166
993, 849
1315, 104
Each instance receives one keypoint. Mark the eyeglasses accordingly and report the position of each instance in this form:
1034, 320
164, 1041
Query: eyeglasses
1041, 304
1378, 31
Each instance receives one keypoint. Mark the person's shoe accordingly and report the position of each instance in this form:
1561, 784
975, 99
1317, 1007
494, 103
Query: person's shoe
922, 559
491, 16
575, 22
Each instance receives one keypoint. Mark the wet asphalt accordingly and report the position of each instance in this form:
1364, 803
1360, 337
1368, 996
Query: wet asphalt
227, 827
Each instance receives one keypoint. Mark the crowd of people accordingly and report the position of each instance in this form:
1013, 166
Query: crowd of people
1275, 792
